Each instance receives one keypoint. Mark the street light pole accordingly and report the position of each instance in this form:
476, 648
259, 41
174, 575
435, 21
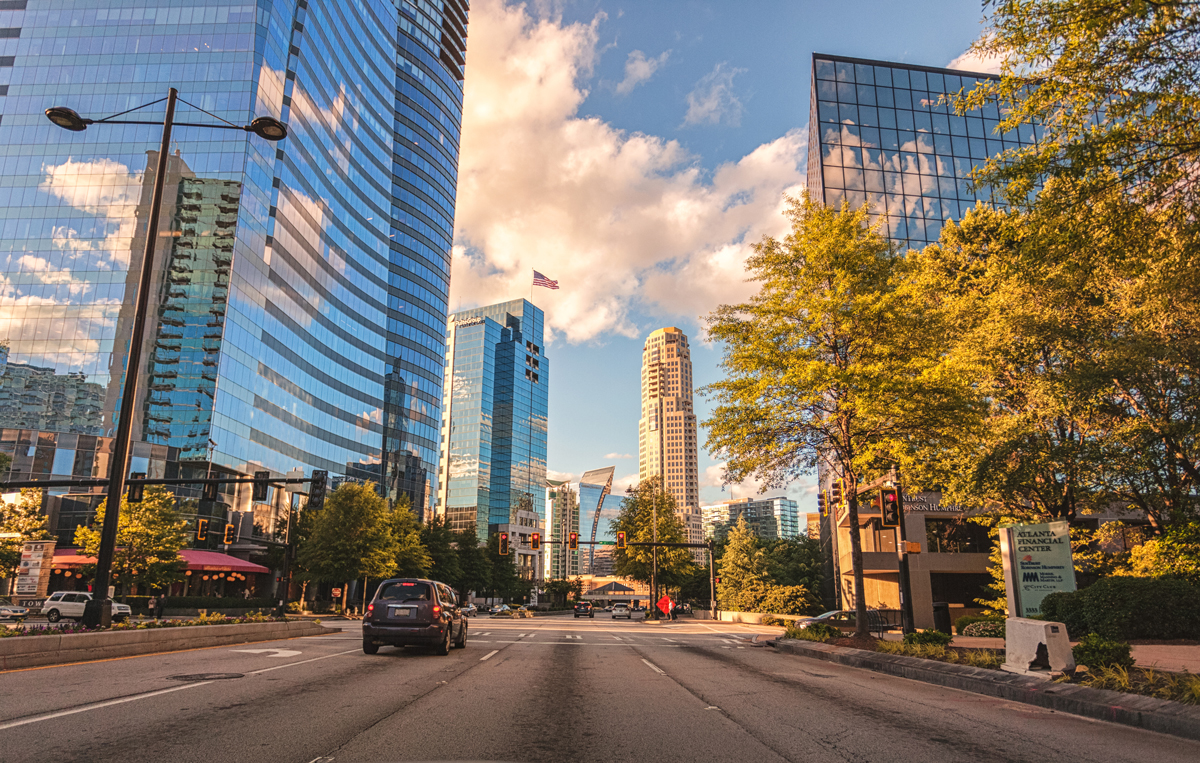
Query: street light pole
98, 611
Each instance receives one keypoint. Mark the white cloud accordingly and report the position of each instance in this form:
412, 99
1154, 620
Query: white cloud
713, 101
714, 476
557, 476
617, 455
971, 61
100, 187
624, 221
639, 69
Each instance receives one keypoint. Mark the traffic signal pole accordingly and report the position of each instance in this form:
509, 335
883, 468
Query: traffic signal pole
906, 606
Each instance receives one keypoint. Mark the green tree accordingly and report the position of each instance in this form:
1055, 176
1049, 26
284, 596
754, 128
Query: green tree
832, 362
1175, 553
1110, 85
22, 516
351, 538
149, 537
560, 591
742, 570
794, 562
439, 542
412, 558
636, 519
474, 562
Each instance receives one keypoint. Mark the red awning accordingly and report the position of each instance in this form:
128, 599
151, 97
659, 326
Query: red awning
197, 559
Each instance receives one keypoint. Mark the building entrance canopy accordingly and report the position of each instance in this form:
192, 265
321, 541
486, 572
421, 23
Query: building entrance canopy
197, 559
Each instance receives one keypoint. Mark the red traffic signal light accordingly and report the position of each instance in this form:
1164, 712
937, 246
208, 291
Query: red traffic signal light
889, 500
503, 544
535, 541
621, 539
573, 541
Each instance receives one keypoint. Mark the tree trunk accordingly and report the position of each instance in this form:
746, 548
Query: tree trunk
856, 562
345, 591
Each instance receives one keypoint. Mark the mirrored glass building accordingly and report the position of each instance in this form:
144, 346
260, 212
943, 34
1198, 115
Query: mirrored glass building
885, 136
494, 413
299, 298
594, 487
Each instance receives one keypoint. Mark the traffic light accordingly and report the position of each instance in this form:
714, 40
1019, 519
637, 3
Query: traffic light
229, 529
201, 529
891, 507
316, 490
573, 541
260, 486
209, 491
836, 492
621, 539
535, 541
822, 503
503, 544
877, 500
135, 491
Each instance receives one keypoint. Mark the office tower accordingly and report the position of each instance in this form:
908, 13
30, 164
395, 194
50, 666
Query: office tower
562, 519
768, 518
299, 300
594, 487
883, 134
667, 429
493, 438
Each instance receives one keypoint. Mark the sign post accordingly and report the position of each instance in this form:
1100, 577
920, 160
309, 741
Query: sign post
1037, 562
33, 575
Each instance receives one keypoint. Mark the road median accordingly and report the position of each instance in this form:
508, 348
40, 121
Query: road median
62, 649
1163, 716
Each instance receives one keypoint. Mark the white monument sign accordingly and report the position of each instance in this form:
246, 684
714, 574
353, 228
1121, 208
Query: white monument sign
1037, 562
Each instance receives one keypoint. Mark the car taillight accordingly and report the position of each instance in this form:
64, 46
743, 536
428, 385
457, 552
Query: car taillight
437, 610
371, 607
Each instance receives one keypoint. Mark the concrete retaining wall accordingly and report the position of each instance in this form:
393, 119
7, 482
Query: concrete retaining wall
753, 618
35, 651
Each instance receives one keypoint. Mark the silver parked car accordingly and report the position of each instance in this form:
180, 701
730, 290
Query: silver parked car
10, 611
621, 610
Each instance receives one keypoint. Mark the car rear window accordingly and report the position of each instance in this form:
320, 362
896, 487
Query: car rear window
406, 592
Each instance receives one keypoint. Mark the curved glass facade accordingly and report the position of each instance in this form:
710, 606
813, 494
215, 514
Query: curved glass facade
299, 307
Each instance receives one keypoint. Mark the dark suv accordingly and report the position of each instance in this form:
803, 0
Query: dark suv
584, 609
411, 612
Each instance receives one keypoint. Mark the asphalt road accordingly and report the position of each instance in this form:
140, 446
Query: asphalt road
552, 689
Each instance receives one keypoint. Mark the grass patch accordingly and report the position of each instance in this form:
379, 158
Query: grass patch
1148, 682
976, 658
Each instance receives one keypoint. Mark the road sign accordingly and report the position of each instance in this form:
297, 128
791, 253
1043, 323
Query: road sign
665, 604
336, 592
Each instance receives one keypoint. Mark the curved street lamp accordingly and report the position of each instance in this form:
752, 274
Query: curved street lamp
98, 611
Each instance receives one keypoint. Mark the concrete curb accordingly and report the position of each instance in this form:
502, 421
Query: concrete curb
1159, 715
38, 651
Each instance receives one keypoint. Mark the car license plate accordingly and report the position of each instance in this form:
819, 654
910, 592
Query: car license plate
397, 612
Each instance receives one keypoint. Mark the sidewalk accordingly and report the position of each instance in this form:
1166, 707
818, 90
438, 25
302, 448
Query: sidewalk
1173, 657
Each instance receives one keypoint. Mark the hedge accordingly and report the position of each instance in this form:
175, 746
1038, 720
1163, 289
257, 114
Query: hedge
141, 603
1125, 608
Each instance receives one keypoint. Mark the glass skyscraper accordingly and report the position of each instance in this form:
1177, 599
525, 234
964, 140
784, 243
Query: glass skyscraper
300, 297
493, 437
880, 133
768, 518
594, 487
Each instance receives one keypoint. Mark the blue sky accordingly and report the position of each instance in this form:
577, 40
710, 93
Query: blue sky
634, 151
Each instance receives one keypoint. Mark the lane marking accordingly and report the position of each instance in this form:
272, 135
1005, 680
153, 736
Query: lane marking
488, 633
673, 641
301, 662
654, 667
97, 706
272, 652
489, 655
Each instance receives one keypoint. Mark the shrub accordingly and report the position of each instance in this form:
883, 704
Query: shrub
986, 629
814, 632
930, 638
1126, 608
1098, 652
771, 620
961, 623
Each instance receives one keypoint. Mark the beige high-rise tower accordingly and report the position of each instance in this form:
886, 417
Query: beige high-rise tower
667, 429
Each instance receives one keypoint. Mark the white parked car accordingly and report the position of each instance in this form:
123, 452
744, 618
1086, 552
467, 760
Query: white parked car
70, 604
621, 610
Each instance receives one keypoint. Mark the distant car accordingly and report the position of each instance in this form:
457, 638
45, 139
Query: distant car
842, 619
10, 611
608, 608
414, 612
70, 604
584, 609
622, 610
498, 609
469, 610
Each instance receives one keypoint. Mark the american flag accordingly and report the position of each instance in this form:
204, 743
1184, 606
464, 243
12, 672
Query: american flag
541, 280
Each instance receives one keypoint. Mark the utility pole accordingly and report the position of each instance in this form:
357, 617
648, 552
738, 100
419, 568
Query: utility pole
906, 607
654, 560
712, 578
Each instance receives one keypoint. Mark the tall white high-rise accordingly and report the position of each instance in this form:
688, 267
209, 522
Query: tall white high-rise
667, 429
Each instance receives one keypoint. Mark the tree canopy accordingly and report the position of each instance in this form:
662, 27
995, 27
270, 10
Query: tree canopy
351, 537
23, 516
149, 537
636, 520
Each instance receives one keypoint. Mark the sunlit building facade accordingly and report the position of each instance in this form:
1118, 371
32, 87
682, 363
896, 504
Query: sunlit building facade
885, 136
768, 518
494, 412
594, 487
299, 299
562, 519
667, 428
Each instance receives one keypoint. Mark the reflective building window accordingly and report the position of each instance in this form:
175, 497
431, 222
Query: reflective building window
880, 133
299, 300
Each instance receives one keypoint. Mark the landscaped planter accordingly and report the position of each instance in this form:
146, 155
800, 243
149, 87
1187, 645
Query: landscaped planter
34, 651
